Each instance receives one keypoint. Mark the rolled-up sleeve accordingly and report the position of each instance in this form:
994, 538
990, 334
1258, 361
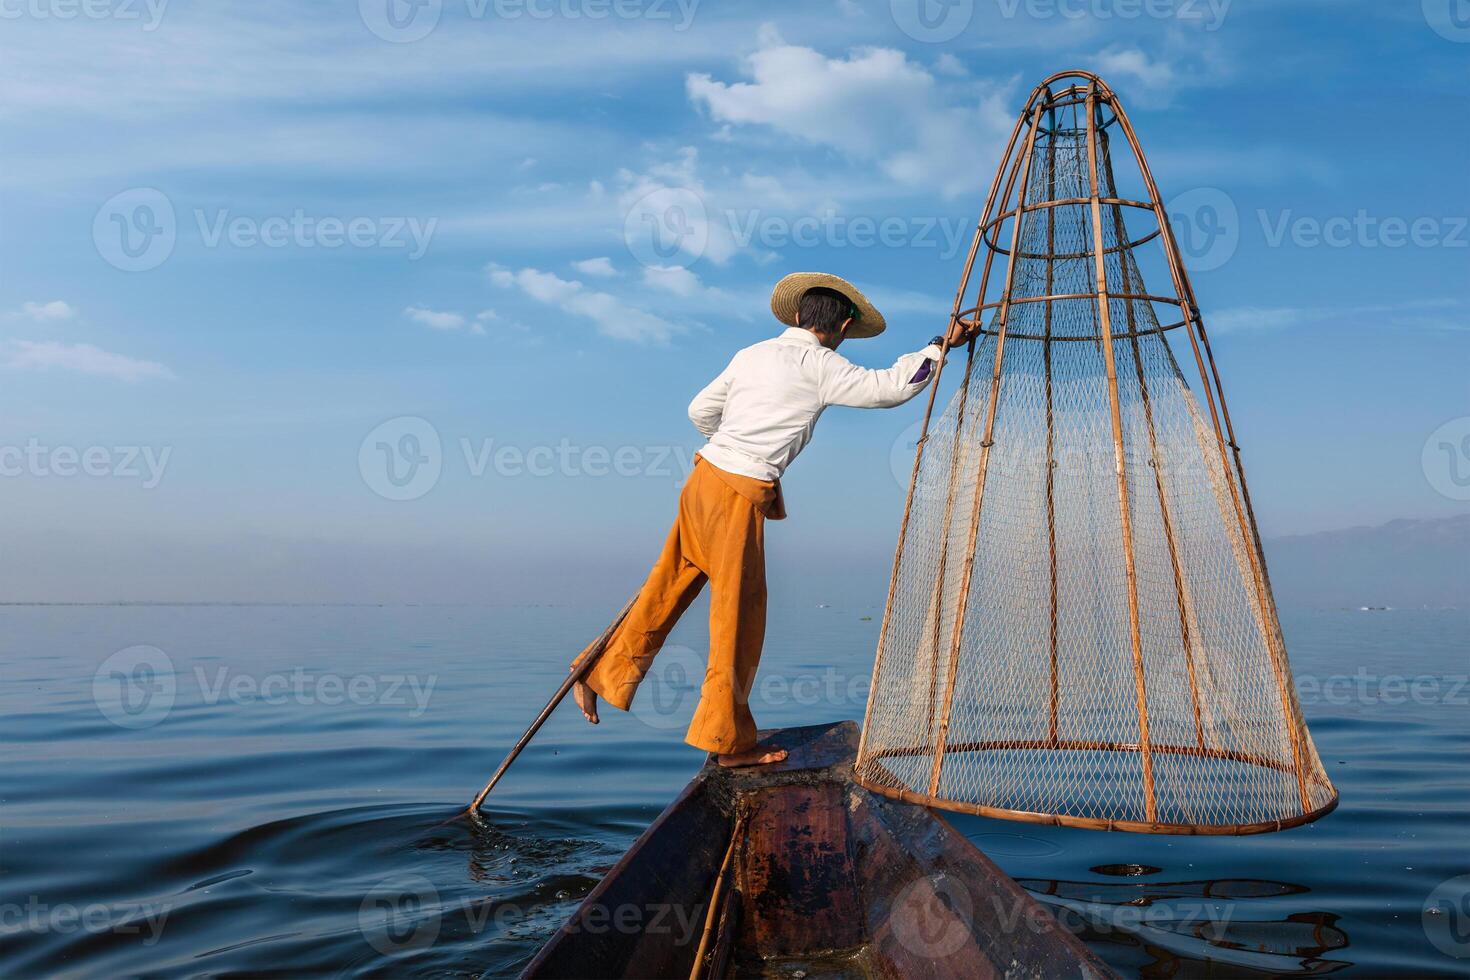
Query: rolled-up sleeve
844, 383
708, 406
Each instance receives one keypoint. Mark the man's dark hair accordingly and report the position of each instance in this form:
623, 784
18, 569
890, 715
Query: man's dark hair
824, 309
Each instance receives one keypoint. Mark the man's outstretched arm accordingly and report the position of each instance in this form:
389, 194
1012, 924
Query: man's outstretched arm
844, 383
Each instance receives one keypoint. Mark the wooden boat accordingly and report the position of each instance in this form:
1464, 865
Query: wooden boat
792, 870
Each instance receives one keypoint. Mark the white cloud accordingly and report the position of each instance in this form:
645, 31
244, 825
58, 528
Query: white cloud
804, 94
948, 64
875, 104
57, 309
601, 267
610, 315
82, 358
490, 319
772, 190
1133, 63
1153, 80
1239, 318
1424, 314
434, 319
672, 279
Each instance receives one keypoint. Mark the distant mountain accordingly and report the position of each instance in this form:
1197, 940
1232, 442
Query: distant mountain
1402, 563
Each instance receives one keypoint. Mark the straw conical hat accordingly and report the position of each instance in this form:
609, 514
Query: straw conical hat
787, 296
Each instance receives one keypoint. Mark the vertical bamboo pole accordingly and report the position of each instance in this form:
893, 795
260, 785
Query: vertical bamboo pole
1181, 586
1271, 632
924, 432
1119, 461
712, 913
1051, 504
952, 662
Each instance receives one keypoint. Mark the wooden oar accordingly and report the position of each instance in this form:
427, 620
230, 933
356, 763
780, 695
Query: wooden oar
712, 914
588, 658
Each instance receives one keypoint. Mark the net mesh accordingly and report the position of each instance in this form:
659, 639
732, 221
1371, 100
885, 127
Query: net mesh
1009, 679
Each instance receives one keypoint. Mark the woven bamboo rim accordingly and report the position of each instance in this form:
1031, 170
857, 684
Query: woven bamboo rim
1097, 823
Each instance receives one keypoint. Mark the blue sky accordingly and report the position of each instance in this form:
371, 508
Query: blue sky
244, 243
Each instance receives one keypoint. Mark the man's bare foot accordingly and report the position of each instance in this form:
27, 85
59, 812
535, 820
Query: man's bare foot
586, 700
761, 755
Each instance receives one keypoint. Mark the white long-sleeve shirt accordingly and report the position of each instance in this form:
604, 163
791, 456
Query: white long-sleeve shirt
760, 412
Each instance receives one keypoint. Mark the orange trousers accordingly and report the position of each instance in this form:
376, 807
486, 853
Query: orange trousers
718, 537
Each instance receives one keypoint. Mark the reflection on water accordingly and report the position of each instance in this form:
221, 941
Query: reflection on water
1192, 928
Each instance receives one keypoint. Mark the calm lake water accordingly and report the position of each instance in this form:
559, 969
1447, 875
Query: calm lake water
213, 790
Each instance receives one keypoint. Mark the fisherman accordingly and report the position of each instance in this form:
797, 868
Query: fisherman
757, 415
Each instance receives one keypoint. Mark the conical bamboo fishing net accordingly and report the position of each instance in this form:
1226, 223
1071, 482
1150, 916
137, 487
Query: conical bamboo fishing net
1079, 628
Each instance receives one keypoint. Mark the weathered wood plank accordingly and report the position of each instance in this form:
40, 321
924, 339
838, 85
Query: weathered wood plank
796, 873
